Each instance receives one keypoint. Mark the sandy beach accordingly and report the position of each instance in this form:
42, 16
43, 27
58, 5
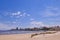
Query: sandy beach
55, 36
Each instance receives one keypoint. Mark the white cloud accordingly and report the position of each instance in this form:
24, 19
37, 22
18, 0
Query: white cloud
17, 13
41, 24
37, 24
4, 26
25, 14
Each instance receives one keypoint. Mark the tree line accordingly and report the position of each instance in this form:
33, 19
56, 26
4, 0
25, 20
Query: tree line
55, 28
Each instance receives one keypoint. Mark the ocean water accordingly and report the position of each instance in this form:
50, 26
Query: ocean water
17, 32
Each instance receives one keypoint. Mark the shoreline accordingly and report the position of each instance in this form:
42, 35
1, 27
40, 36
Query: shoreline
18, 32
55, 36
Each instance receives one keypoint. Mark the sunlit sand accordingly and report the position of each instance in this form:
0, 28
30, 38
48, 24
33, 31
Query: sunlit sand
53, 36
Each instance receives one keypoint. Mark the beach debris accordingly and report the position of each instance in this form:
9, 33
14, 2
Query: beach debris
48, 32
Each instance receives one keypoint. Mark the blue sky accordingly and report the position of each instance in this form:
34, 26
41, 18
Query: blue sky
29, 13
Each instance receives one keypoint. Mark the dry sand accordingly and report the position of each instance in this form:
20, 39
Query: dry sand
55, 36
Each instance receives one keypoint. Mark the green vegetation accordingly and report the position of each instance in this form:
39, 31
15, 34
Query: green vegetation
48, 32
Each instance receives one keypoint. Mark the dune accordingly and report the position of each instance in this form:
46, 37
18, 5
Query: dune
55, 36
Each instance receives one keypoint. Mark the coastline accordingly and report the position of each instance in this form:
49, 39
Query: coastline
17, 32
55, 36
